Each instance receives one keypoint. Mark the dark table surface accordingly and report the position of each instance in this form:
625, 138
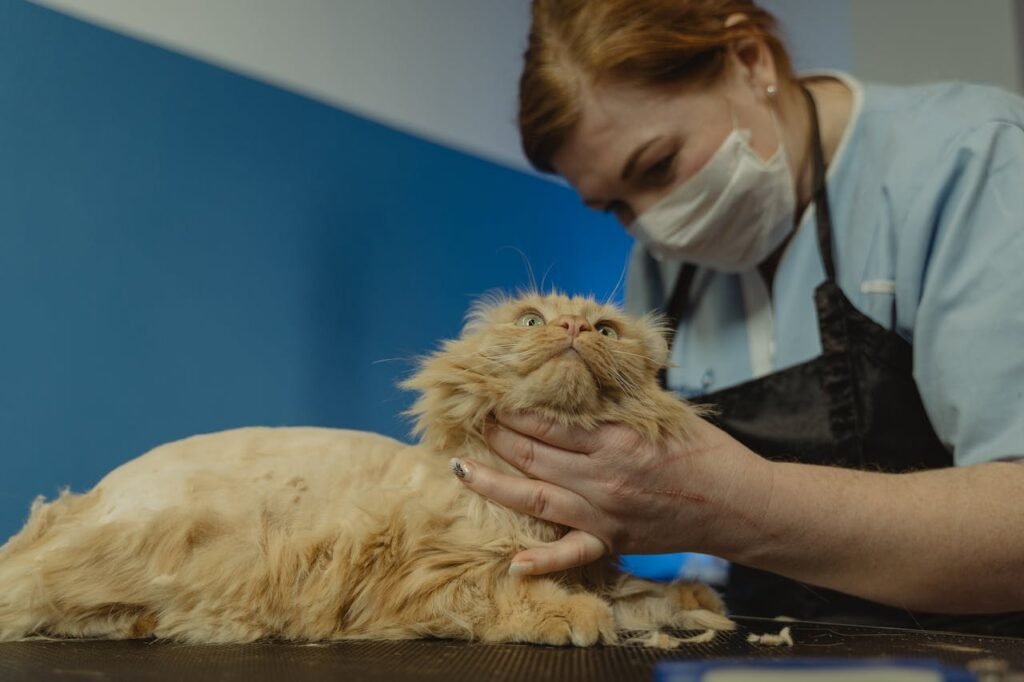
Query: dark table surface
451, 661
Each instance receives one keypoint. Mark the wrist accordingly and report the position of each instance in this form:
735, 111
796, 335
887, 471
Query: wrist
741, 496
810, 522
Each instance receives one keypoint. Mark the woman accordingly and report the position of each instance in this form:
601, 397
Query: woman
842, 263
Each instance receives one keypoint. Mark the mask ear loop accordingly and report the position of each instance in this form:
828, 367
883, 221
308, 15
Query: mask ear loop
771, 91
743, 133
736, 121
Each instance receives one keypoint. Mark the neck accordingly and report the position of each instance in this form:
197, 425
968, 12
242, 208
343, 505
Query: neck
834, 102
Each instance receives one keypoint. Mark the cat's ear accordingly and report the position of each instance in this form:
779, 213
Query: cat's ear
478, 317
656, 334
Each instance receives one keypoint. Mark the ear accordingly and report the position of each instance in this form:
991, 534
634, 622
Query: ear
753, 60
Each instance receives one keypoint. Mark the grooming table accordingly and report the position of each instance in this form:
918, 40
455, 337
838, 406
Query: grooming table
451, 661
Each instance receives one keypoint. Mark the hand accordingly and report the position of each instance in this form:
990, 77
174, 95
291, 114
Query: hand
617, 492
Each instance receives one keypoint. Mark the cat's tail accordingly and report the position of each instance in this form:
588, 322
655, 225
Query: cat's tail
703, 619
20, 612
19, 593
24, 605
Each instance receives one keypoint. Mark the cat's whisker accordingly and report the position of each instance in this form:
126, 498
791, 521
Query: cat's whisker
546, 273
627, 386
470, 355
615, 289
619, 351
481, 363
503, 359
491, 347
626, 383
529, 268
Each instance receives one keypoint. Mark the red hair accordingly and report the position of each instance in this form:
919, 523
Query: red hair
651, 43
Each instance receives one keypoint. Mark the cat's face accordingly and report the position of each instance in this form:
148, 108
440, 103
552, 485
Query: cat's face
570, 358
560, 352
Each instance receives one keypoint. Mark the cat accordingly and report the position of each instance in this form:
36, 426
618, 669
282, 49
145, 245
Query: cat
313, 534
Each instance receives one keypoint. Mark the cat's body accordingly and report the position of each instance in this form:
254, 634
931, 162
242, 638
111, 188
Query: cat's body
319, 534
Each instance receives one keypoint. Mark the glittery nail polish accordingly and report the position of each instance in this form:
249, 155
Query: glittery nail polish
459, 468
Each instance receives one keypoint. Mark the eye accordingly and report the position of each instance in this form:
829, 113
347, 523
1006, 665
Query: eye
530, 320
658, 172
605, 329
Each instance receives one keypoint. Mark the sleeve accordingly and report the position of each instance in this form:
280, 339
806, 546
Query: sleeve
962, 254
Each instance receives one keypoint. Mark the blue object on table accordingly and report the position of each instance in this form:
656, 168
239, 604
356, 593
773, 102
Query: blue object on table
686, 566
810, 670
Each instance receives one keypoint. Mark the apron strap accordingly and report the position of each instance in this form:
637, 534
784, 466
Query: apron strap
674, 310
820, 190
677, 302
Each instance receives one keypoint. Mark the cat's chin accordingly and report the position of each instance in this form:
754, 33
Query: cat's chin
564, 384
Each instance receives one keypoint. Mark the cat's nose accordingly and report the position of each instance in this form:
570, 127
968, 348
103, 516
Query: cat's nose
574, 325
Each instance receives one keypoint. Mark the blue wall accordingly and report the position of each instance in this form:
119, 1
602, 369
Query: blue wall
183, 249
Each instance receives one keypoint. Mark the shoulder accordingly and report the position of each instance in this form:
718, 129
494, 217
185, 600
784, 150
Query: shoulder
910, 156
944, 105
907, 135
932, 165
954, 199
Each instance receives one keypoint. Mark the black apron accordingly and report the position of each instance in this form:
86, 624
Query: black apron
857, 406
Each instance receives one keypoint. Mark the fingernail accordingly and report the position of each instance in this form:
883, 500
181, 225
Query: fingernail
459, 468
520, 567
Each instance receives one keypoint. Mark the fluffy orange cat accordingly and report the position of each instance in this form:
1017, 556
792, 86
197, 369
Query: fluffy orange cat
321, 534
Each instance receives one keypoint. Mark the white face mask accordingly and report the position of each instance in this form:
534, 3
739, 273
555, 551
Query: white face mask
730, 216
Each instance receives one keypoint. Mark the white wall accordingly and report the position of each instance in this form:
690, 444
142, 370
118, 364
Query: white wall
448, 69
816, 32
909, 41
444, 69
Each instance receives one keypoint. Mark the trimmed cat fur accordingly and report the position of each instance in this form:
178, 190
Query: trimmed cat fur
312, 534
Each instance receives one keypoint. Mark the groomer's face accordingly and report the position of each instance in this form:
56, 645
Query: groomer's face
633, 145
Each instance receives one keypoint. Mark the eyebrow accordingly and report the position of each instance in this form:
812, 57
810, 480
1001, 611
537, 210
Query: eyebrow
627, 169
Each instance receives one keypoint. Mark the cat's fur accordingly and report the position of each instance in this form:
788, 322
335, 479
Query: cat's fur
320, 534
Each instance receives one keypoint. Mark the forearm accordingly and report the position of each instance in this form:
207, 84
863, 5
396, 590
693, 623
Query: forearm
949, 540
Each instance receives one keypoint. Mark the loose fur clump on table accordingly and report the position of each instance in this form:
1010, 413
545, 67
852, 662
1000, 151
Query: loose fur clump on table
312, 534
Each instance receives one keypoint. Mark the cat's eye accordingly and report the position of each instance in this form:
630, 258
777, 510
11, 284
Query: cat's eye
530, 320
605, 329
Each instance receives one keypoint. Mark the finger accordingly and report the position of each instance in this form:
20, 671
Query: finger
537, 459
572, 438
576, 548
525, 495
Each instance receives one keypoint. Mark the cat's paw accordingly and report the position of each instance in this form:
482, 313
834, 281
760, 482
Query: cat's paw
694, 595
700, 607
579, 620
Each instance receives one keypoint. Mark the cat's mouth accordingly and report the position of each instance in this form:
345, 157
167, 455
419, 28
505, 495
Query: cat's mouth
572, 353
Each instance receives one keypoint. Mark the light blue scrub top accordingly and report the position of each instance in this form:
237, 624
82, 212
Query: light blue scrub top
927, 198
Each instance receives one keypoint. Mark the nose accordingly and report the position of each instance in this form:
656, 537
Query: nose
574, 325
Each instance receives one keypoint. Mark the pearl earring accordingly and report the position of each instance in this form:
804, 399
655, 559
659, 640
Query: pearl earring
771, 90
